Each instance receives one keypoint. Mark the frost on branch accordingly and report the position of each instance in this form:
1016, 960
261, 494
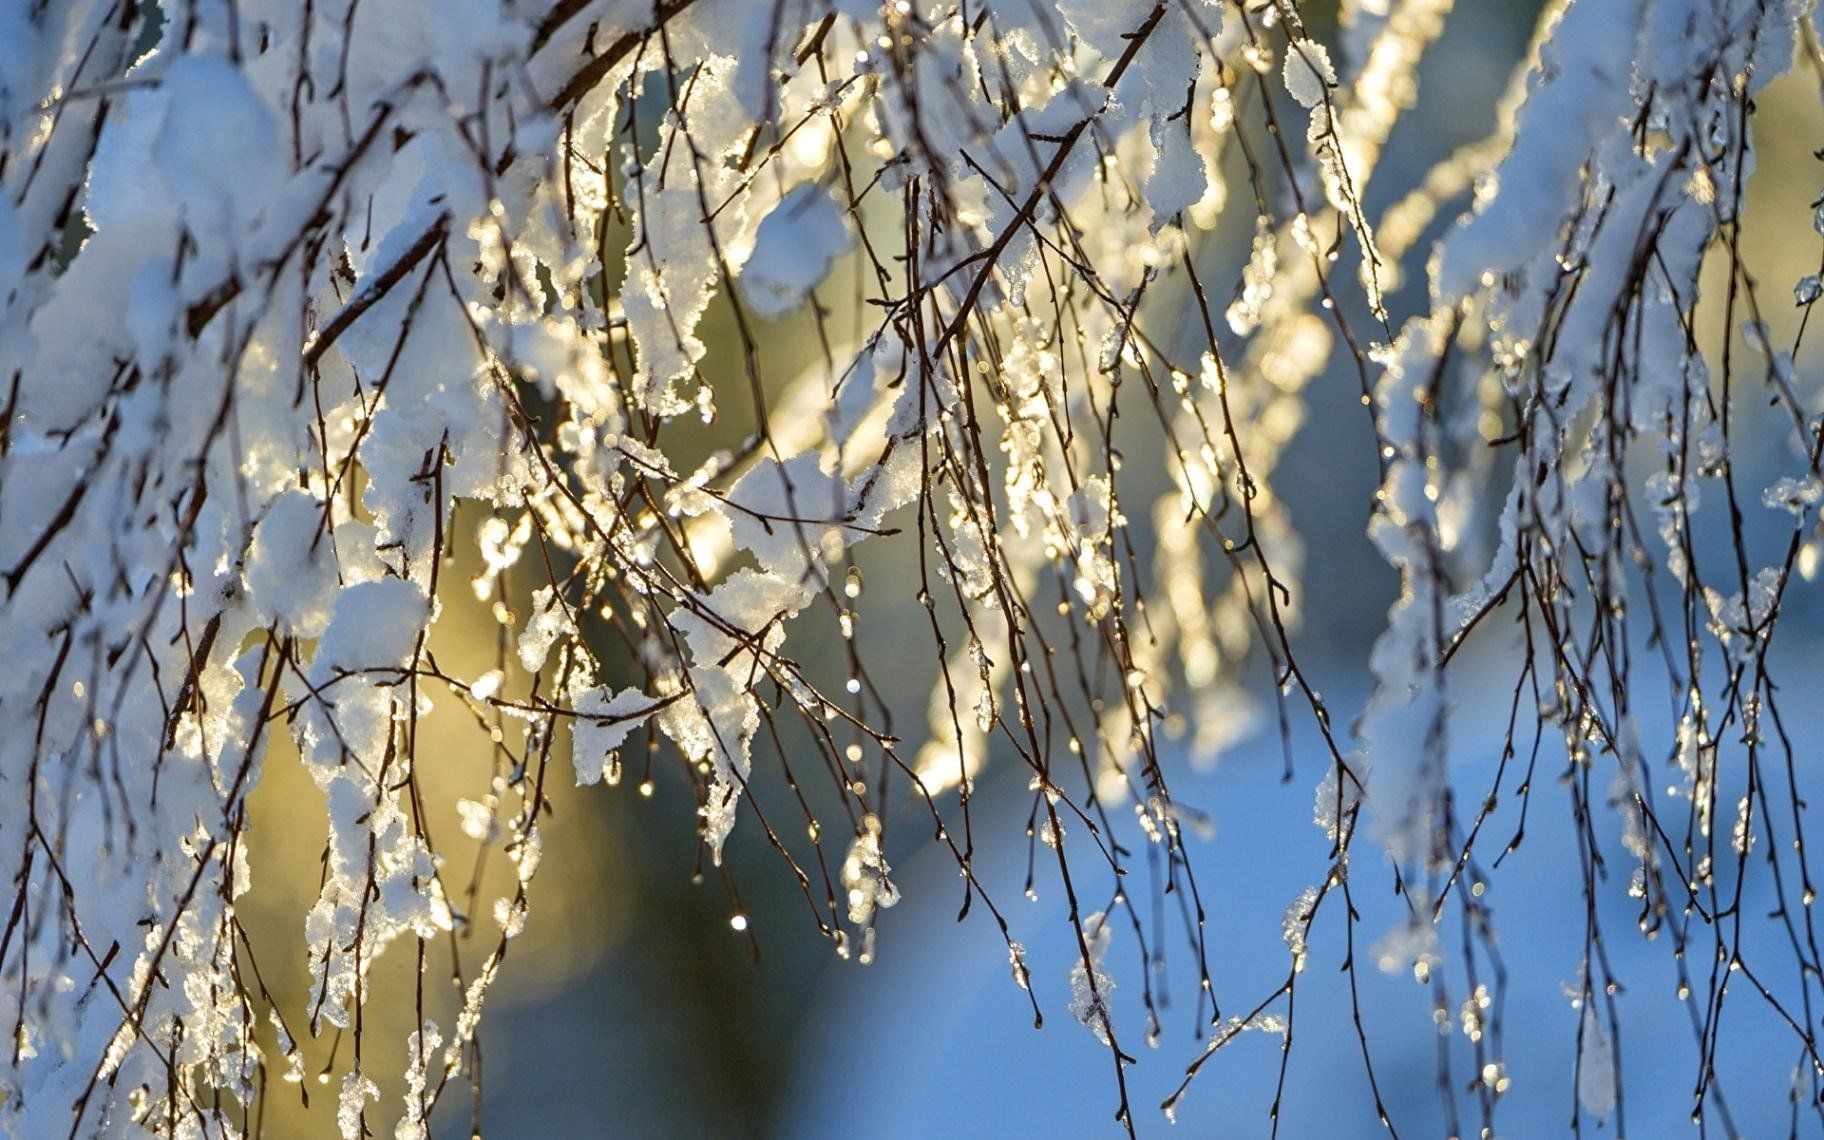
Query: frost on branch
301, 306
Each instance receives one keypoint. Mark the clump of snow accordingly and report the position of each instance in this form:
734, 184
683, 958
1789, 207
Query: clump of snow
1295, 925
603, 722
291, 569
1797, 494
1308, 73
1597, 1091
795, 246
789, 514
220, 189
1089, 982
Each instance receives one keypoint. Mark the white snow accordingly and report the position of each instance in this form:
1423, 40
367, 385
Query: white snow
1308, 73
795, 246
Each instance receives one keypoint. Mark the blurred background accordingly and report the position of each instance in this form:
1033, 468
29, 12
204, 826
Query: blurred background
631, 1006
